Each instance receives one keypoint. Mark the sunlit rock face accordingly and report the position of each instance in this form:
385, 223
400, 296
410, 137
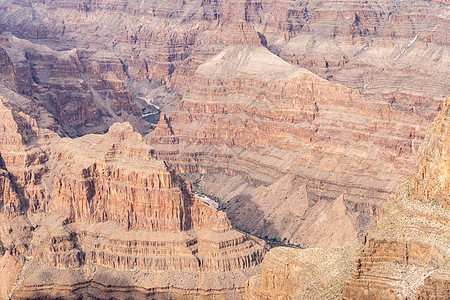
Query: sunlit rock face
406, 254
431, 181
101, 211
234, 73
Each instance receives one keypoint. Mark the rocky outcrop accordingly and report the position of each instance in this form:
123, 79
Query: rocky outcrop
104, 217
314, 273
114, 177
432, 178
22, 163
251, 115
406, 254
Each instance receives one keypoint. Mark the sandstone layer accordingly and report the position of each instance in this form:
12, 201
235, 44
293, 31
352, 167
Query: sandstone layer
312, 149
90, 64
99, 216
407, 253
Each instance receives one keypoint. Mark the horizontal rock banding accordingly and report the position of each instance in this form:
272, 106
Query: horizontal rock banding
248, 113
103, 204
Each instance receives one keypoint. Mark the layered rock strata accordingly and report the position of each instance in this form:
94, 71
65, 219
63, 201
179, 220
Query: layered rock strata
369, 46
105, 218
407, 253
311, 146
109, 51
314, 273
83, 91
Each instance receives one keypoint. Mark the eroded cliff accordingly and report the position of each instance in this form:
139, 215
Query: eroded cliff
407, 253
99, 216
309, 147
325, 135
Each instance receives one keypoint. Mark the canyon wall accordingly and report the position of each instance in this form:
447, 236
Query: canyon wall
299, 118
431, 180
373, 47
405, 255
99, 216
225, 75
82, 91
312, 149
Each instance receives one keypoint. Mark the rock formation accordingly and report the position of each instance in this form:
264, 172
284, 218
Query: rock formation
406, 255
310, 146
299, 117
369, 46
314, 273
104, 217
90, 64
432, 178
83, 92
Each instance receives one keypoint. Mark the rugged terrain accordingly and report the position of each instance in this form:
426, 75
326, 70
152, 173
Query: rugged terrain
314, 273
300, 118
99, 216
241, 108
312, 147
406, 255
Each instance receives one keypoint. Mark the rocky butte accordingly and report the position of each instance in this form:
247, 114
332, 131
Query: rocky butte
406, 254
99, 217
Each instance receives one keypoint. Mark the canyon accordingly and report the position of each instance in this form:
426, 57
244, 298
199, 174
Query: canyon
297, 120
99, 216
405, 255
256, 95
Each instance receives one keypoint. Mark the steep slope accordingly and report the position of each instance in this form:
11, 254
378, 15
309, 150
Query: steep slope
309, 144
99, 216
431, 181
407, 253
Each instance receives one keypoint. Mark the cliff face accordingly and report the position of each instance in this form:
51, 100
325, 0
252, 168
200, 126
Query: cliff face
407, 253
104, 217
311, 146
89, 65
431, 181
22, 163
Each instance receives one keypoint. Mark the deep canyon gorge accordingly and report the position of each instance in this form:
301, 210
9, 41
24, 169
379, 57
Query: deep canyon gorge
321, 126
